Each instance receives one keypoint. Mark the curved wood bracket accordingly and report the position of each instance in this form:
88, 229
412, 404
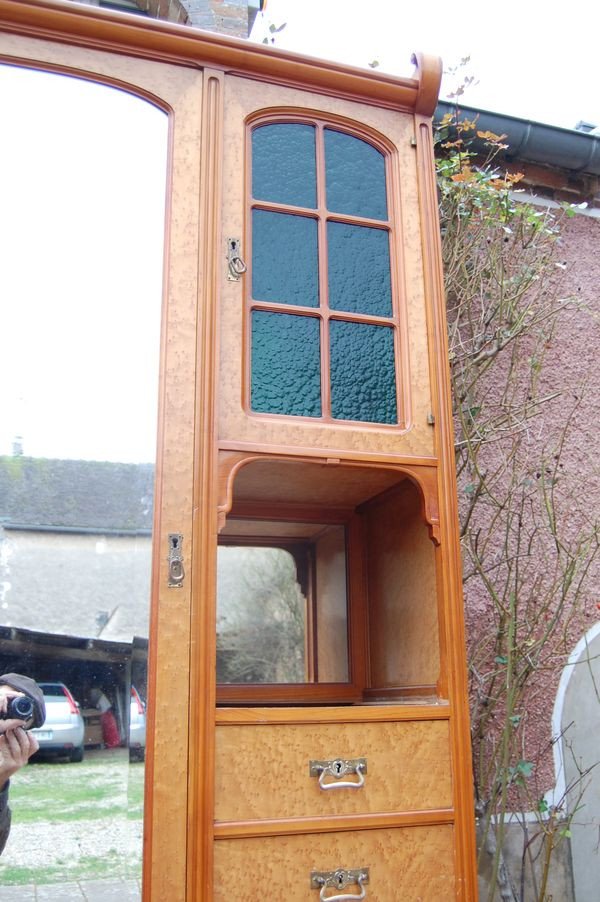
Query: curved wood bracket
426, 480
229, 463
423, 477
429, 74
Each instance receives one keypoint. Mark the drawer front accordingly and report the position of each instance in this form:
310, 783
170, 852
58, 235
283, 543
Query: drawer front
412, 863
262, 771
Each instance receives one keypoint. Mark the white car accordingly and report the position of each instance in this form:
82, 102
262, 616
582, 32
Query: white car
61, 734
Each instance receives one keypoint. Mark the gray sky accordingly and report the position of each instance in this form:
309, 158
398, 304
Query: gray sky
537, 60
82, 187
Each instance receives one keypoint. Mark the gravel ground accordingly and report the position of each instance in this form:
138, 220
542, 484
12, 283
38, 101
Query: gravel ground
48, 844
74, 822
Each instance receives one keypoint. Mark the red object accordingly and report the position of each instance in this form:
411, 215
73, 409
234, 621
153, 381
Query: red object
110, 733
135, 697
72, 703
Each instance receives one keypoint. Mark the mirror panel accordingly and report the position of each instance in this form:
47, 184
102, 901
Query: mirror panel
282, 606
83, 177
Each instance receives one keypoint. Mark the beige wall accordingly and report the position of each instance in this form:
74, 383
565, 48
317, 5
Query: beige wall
69, 583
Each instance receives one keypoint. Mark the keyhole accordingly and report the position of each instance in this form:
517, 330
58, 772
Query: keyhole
338, 767
340, 881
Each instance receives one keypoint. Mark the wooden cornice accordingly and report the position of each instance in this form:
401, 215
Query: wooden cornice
101, 29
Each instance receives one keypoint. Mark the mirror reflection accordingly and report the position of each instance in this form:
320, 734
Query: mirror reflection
261, 615
82, 173
280, 584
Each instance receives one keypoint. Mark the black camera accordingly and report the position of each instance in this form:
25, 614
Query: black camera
18, 708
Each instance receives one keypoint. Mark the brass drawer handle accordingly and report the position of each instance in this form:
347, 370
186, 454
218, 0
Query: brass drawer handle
340, 879
339, 768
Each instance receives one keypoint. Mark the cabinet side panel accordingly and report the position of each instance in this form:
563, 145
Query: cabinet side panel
331, 612
402, 593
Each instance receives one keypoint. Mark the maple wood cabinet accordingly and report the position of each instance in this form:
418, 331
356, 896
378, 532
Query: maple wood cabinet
305, 458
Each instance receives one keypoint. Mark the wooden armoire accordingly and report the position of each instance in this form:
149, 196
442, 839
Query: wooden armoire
308, 700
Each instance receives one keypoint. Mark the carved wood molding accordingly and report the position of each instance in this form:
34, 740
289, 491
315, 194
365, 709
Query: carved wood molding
424, 477
154, 39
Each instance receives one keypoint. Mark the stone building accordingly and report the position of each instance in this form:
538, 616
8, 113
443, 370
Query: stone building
230, 17
75, 552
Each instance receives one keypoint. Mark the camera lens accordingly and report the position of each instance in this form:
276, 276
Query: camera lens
20, 708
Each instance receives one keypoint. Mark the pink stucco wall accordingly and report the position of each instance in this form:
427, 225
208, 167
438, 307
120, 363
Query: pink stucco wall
572, 370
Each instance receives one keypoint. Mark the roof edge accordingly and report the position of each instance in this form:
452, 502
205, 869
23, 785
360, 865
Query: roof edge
535, 142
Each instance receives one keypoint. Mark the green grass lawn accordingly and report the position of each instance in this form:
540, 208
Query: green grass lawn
86, 867
58, 792
69, 821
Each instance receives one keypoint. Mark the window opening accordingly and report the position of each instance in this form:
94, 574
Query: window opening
326, 587
282, 604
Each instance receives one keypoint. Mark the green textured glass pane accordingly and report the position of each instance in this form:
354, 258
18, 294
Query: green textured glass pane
285, 259
363, 378
286, 364
284, 164
355, 176
359, 269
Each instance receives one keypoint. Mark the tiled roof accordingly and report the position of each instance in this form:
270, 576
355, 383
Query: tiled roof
75, 494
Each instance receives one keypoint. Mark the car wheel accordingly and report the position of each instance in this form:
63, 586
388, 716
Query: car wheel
76, 755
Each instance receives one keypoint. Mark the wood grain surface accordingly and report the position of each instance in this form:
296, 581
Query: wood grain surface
401, 581
263, 771
412, 864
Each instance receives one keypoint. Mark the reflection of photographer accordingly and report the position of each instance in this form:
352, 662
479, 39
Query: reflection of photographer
21, 707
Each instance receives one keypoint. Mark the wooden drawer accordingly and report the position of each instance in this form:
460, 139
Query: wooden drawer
262, 771
412, 863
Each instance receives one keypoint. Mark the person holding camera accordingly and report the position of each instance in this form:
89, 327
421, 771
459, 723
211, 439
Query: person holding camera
21, 707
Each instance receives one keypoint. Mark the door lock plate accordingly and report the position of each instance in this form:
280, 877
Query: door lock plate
176, 571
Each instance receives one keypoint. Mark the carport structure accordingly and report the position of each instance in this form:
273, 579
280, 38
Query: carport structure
81, 663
